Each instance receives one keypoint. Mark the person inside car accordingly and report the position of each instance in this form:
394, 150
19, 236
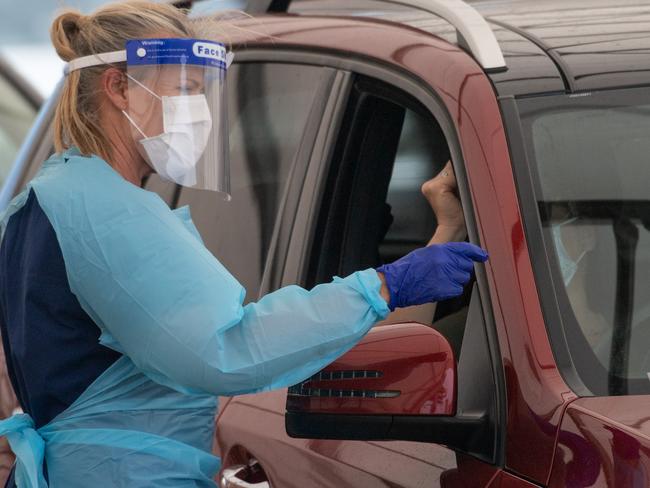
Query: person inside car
574, 242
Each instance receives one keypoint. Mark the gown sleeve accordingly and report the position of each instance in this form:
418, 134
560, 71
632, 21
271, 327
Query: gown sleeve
161, 298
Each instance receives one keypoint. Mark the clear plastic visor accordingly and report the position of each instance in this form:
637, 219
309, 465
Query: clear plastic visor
177, 110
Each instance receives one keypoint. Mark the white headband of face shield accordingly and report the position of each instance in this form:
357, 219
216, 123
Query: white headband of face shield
111, 58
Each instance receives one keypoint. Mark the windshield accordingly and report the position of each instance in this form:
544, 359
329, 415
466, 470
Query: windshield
590, 162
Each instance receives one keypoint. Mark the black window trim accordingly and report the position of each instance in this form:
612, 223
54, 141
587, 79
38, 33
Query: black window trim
368, 99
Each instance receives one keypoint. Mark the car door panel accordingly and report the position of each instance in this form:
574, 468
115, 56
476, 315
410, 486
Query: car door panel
256, 422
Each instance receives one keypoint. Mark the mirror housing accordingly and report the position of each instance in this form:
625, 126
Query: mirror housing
411, 358
399, 369
398, 383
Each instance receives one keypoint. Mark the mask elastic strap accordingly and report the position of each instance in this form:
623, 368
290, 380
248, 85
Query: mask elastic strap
127, 115
229, 58
568, 221
134, 124
143, 86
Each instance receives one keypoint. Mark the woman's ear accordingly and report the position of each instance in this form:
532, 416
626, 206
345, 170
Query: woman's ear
114, 85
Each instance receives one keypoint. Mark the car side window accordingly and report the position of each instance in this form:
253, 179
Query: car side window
268, 109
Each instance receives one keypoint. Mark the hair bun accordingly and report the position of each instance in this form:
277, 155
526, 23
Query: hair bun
64, 31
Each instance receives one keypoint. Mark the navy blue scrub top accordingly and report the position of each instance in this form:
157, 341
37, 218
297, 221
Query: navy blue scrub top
51, 345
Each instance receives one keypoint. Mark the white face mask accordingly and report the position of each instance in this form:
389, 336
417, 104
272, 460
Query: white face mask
568, 266
186, 128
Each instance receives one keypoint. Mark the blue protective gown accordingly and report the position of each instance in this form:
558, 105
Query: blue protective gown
174, 318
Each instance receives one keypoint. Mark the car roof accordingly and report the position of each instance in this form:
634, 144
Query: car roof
549, 46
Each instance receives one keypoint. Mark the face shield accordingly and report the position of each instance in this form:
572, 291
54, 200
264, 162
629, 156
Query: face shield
177, 108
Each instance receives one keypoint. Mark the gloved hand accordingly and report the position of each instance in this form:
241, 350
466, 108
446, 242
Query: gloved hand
431, 274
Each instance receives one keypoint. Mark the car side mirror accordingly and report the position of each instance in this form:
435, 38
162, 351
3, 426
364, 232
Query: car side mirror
402, 370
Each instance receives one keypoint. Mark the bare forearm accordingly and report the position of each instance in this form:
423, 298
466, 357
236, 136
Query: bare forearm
445, 234
385, 294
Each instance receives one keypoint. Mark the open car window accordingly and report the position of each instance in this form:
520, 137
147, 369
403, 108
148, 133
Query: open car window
374, 210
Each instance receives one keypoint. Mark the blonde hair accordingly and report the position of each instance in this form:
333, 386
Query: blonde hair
107, 29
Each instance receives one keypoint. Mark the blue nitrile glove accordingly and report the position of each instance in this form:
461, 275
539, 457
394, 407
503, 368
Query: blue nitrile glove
431, 274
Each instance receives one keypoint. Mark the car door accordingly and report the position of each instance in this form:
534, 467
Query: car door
364, 208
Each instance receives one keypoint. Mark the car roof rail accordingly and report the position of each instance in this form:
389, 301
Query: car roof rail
474, 33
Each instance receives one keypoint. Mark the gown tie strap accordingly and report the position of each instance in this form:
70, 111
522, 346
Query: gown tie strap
29, 448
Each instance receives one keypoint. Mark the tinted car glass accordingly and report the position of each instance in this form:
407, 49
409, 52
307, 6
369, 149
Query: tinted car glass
268, 109
16, 117
590, 156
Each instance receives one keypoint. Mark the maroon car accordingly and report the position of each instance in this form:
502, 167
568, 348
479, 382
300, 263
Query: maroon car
538, 376
339, 110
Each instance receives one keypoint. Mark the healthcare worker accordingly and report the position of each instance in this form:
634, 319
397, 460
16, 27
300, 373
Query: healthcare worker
120, 328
